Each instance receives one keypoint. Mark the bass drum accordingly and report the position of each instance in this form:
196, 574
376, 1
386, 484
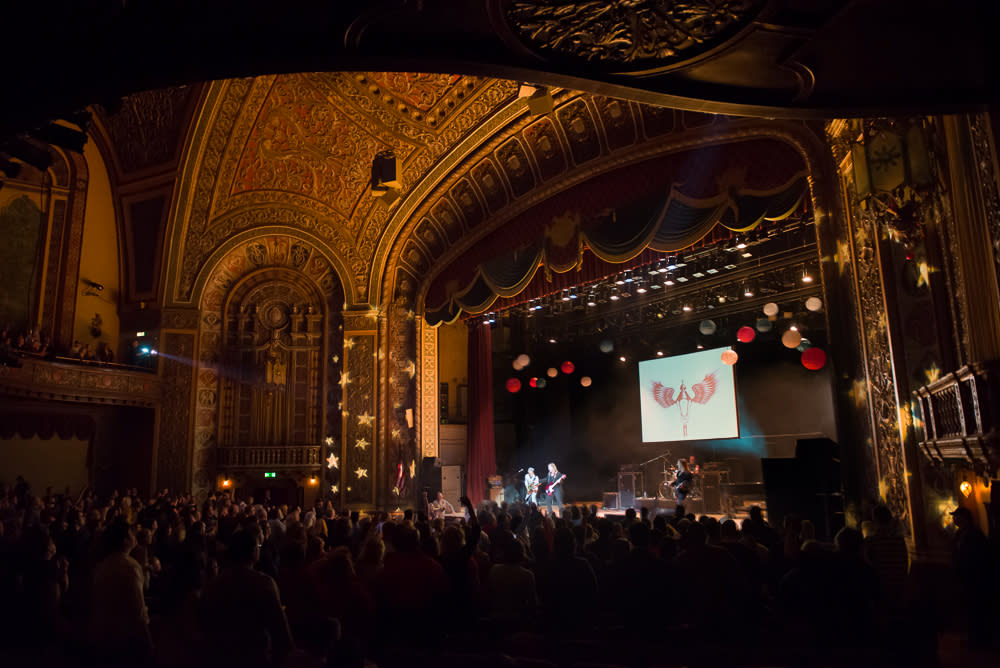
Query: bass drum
667, 490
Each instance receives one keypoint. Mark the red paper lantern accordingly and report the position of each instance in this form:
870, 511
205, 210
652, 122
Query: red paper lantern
568, 367
745, 334
813, 358
534, 381
513, 385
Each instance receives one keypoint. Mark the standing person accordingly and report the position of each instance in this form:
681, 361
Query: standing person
439, 507
554, 490
531, 486
683, 482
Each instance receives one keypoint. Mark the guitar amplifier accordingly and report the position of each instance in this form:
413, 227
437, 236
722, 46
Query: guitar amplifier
628, 482
611, 500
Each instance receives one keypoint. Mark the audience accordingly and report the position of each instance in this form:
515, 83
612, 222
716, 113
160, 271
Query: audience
136, 581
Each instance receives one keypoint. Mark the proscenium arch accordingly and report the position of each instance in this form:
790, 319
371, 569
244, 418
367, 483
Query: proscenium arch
798, 135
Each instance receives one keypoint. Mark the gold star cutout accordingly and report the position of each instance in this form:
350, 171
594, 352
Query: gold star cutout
843, 255
410, 315
361, 443
924, 274
348, 343
340, 405
334, 489
859, 392
413, 468
361, 473
348, 488
345, 379
380, 355
396, 433
332, 461
336, 359
345, 412
328, 440
395, 490
365, 419
410, 368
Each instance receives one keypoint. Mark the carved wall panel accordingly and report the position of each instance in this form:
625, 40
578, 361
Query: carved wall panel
360, 431
259, 269
402, 451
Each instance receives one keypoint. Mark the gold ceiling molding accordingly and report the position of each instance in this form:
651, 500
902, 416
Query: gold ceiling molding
303, 143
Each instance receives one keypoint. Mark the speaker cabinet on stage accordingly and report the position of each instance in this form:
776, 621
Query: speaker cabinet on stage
627, 483
711, 491
611, 500
807, 486
430, 475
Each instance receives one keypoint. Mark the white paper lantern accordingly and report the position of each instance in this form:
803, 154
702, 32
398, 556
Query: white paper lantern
791, 339
770, 309
729, 357
586, 381
814, 303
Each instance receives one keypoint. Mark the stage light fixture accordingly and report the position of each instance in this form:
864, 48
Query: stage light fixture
682, 278
552, 340
659, 353
640, 288
721, 299
746, 254
572, 293
748, 290
806, 276
653, 285
565, 295
794, 328
686, 308
668, 280
614, 295
741, 243
655, 268
628, 276
620, 280
591, 299
671, 262
491, 318
696, 271
621, 359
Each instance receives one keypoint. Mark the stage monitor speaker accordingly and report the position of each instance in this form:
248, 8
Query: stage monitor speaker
430, 475
611, 500
819, 463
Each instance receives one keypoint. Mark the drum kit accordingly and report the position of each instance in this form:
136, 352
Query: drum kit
666, 488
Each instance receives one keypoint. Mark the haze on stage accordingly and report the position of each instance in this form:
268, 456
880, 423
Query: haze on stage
688, 398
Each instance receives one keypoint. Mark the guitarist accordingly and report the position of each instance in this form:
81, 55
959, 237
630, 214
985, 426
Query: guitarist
683, 482
554, 490
531, 486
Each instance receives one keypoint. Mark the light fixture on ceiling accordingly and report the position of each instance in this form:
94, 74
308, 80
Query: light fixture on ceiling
686, 308
614, 295
806, 276
748, 290
592, 299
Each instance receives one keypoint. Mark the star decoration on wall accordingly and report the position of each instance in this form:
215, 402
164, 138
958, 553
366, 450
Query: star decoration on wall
410, 315
328, 440
396, 433
410, 368
348, 343
335, 359
345, 379
413, 468
365, 419
332, 461
340, 405
361, 473
361, 443
395, 490
334, 489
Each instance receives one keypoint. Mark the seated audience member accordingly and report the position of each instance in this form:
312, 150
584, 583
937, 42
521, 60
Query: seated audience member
240, 613
511, 594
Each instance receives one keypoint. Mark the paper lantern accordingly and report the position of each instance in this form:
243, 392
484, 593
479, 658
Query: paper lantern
729, 357
813, 358
791, 339
607, 345
586, 381
745, 334
763, 325
552, 373
568, 367
533, 382
523, 360
542, 383
770, 309
814, 303
707, 327
513, 385
804, 345
517, 364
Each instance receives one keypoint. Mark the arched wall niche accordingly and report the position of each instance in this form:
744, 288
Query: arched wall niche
249, 265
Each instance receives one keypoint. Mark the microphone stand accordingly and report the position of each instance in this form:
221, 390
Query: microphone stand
643, 467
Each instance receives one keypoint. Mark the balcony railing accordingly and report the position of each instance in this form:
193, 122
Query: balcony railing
30, 376
279, 456
961, 416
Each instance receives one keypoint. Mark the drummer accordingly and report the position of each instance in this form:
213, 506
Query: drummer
440, 506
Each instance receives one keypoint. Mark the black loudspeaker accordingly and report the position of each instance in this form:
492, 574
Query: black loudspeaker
611, 500
430, 475
626, 489
792, 489
819, 463
711, 492
443, 402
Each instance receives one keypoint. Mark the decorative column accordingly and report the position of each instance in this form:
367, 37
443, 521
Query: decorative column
360, 444
402, 423
429, 402
172, 450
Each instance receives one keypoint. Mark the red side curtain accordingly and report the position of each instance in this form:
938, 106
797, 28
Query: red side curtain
482, 454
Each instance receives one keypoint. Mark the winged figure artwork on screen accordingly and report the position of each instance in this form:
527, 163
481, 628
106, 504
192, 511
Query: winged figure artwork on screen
700, 393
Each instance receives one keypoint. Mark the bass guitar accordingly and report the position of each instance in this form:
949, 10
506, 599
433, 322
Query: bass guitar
552, 485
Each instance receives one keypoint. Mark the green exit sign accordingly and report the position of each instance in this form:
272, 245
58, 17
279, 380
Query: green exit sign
270, 474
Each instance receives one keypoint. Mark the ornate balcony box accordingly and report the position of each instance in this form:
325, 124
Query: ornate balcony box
57, 380
278, 457
961, 417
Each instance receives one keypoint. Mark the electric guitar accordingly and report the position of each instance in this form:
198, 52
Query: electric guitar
552, 485
532, 488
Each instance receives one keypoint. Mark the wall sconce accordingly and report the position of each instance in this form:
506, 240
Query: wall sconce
226, 482
312, 480
965, 487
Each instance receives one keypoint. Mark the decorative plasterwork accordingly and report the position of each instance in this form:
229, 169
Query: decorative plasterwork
627, 36
296, 150
429, 416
